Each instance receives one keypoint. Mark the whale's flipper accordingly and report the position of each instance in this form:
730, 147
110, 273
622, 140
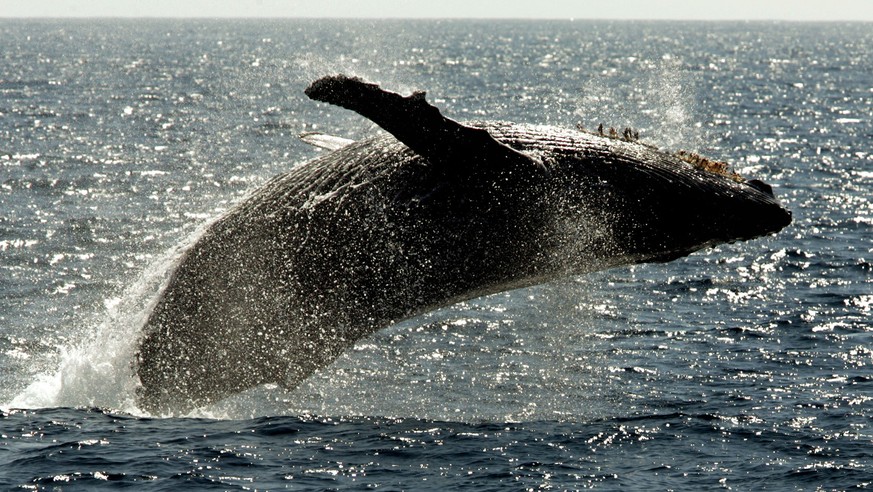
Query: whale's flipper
325, 141
413, 121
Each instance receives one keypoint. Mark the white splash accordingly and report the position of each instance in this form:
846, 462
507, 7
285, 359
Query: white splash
96, 371
659, 104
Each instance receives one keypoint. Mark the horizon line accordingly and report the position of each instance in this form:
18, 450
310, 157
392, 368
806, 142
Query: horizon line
401, 18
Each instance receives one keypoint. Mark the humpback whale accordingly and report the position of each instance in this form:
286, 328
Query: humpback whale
429, 213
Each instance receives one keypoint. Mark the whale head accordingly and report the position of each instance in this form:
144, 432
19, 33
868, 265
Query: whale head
614, 202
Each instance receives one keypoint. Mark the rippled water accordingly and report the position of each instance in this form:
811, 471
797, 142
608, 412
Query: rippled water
747, 366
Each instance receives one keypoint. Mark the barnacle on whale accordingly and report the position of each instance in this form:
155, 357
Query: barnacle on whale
698, 161
713, 166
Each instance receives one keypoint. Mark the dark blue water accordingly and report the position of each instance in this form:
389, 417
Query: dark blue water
748, 366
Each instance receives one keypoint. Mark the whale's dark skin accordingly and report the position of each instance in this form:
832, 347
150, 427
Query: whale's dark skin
430, 214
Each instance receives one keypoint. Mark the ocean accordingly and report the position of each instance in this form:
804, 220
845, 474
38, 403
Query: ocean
747, 366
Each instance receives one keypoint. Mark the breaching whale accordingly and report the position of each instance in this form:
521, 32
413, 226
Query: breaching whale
432, 213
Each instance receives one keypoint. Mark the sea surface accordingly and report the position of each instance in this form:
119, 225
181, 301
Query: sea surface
744, 367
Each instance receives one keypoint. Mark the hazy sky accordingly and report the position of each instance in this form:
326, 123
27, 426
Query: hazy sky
557, 9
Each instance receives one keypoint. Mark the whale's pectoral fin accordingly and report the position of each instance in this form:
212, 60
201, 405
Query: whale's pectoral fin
413, 121
324, 141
